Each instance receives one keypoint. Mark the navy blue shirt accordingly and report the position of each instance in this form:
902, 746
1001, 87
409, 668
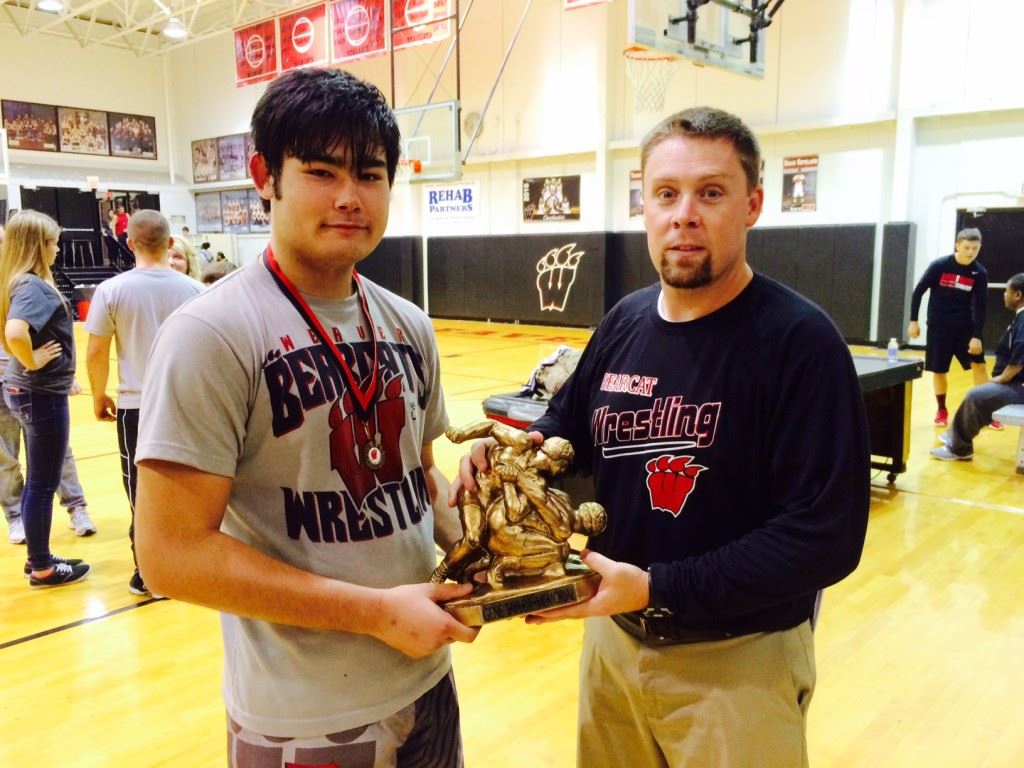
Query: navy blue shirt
958, 295
730, 452
1010, 350
49, 319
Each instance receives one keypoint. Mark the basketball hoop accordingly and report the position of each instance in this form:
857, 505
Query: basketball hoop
407, 170
649, 73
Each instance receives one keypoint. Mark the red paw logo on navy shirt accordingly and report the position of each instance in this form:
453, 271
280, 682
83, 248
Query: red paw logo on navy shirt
670, 480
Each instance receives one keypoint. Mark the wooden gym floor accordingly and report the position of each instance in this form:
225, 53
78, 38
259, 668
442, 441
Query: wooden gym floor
920, 652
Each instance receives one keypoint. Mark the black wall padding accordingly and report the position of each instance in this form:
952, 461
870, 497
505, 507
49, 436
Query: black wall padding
897, 280
830, 265
629, 266
397, 264
540, 278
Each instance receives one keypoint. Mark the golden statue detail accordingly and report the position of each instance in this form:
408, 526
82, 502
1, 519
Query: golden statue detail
516, 528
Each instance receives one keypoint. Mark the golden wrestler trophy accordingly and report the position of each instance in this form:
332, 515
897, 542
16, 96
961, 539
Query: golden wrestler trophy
516, 528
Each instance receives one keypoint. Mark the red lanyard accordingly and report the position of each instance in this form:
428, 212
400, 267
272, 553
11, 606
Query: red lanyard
364, 399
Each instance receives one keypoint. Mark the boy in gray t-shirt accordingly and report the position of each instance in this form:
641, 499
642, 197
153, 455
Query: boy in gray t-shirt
286, 472
131, 307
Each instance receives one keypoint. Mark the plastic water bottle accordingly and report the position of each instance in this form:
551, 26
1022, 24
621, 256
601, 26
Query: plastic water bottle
893, 349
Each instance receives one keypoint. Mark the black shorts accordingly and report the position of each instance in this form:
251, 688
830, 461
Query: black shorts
946, 343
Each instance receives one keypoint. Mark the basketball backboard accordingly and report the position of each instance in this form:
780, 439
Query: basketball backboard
720, 33
430, 135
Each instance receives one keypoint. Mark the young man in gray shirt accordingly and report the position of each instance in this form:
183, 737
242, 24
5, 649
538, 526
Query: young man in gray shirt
131, 308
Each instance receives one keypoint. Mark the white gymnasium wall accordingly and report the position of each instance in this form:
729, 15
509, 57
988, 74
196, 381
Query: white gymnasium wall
892, 95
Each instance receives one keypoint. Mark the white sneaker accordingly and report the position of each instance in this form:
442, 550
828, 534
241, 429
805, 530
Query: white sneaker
16, 531
80, 522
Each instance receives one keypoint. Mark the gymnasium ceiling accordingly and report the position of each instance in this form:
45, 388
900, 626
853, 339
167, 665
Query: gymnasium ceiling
137, 25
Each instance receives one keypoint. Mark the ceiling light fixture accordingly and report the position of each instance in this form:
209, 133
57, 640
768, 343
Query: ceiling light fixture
175, 30
50, 6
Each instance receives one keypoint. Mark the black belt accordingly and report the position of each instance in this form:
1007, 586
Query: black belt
661, 628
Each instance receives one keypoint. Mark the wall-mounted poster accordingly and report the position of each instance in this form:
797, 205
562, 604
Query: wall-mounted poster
250, 150
357, 29
30, 126
553, 198
259, 219
636, 194
83, 131
132, 136
231, 153
208, 212
800, 183
204, 160
303, 37
234, 210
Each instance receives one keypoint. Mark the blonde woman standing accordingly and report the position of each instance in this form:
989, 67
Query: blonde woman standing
182, 258
39, 335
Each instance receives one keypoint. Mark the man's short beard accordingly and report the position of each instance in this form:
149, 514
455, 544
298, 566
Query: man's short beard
676, 277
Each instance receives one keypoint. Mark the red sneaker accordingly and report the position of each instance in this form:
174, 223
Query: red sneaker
996, 425
941, 418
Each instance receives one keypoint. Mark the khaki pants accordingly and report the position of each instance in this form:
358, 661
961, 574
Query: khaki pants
733, 703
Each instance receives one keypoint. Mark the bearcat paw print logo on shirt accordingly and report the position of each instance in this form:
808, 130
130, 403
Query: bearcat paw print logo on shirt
670, 480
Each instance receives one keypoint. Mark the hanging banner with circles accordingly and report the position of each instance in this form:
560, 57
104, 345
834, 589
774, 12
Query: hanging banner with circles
419, 22
256, 52
358, 29
304, 37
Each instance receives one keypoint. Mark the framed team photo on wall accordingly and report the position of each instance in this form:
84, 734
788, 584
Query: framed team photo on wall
205, 166
234, 210
132, 136
232, 157
30, 126
259, 219
83, 131
208, 217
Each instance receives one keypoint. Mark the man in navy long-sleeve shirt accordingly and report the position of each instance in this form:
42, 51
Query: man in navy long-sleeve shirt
956, 316
721, 415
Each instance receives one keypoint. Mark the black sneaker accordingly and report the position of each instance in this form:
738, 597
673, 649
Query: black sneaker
56, 559
138, 587
61, 575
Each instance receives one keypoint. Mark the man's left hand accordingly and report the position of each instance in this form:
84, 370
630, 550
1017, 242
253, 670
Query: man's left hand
624, 587
974, 346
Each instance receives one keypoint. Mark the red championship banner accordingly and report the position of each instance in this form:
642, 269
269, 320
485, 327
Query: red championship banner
304, 37
358, 29
568, 5
414, 18
256, 53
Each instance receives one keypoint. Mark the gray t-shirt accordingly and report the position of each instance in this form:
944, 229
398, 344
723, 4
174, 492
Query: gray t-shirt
49, 319
131, 307
237, 386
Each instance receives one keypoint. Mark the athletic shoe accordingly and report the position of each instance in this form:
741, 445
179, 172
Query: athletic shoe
56, 559
16, 531
945, 439
138, 587
941, 418
945, 454
61, 575
80, 522
996, 425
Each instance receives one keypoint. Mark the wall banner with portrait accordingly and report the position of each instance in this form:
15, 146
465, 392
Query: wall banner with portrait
208, 218
800, 183
259, 219
636, 194
231, 156
30, 126
132, 136
205, 165
551, 198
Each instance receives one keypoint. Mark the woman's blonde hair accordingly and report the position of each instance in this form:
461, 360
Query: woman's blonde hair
183, 248
23, 252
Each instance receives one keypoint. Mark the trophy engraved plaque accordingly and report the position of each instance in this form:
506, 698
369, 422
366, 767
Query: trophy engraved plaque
516, 529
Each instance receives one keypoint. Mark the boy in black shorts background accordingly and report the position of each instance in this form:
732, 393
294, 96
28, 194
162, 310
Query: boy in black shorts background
956, 315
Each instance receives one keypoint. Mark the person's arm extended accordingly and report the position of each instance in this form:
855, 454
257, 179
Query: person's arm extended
97, 358
926, 282
20, 342
1008, 374
184, 554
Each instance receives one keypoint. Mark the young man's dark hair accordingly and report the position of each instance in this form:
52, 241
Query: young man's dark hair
972, 234
1016, 283
309, 113
708, 123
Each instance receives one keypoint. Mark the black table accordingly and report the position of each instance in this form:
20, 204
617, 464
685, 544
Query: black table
886, 388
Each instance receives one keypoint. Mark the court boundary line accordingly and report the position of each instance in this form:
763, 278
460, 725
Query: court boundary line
79, 623
963, 502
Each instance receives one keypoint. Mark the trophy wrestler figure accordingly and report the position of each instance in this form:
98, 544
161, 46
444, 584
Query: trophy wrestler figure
514, 524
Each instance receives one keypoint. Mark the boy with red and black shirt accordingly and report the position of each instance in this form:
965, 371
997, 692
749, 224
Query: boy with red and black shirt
956, 316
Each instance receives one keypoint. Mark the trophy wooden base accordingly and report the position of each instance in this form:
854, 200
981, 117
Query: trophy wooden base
522, 596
